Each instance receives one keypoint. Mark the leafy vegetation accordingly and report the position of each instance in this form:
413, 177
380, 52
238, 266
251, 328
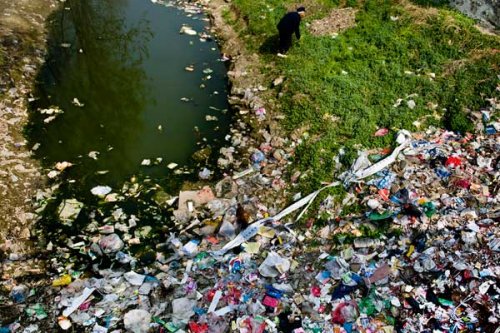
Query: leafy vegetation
1, 56
399, 64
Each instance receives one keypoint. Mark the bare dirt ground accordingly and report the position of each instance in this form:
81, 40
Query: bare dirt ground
22, 41
338, 20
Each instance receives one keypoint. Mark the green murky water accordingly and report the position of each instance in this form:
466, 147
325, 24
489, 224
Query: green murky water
116, 68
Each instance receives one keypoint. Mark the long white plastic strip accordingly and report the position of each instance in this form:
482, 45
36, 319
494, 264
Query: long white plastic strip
77, 301
404, 138
215, 301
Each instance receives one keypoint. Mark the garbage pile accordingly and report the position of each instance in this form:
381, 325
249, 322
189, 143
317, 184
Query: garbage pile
420, 253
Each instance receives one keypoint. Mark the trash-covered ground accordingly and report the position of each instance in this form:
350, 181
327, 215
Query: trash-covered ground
239, 266
411, 247
21, 54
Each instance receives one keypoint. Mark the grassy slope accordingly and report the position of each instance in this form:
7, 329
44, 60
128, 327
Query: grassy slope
357, 77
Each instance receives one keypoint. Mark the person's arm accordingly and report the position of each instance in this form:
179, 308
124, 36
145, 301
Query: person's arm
297, 31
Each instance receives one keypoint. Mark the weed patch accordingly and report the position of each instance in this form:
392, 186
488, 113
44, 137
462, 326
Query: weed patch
389, 70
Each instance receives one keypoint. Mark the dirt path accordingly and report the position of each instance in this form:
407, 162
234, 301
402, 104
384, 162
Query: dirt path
22, 41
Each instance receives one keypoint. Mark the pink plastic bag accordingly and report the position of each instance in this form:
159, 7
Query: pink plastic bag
381, 132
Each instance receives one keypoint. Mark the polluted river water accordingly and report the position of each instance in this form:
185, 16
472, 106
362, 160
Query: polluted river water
123, 92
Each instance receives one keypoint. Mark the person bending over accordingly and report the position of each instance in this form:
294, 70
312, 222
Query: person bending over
288, 25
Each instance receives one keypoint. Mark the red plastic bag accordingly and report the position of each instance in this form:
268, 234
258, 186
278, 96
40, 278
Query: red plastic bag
198, 328
316, 291
453, 162
270, 301
346, 312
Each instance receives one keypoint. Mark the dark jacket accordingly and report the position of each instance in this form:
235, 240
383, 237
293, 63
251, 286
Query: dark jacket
290, 23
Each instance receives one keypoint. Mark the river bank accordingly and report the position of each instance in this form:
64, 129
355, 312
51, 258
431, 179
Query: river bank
24, 262
22, 32
357, 249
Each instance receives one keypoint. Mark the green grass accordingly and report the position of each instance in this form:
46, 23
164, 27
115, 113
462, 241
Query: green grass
358, 76
262, 16
3, 60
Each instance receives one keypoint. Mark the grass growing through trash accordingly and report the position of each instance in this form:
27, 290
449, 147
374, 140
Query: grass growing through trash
343, 89
1, 56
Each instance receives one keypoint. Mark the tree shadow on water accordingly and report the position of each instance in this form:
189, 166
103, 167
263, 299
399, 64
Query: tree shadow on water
270, 45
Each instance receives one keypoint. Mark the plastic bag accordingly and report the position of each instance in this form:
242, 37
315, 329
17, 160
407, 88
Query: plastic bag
137, 321
111, 244
274, 265
344, 313
182, 309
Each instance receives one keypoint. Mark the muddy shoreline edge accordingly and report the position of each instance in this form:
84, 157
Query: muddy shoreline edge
23, 38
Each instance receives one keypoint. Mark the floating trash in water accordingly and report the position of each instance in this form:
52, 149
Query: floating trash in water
146, 162
100, 191
93, 154
68, 210
52, 110
49, 119
211, 118
76, 102
187, 30
53, 174
63, 165
172, 165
